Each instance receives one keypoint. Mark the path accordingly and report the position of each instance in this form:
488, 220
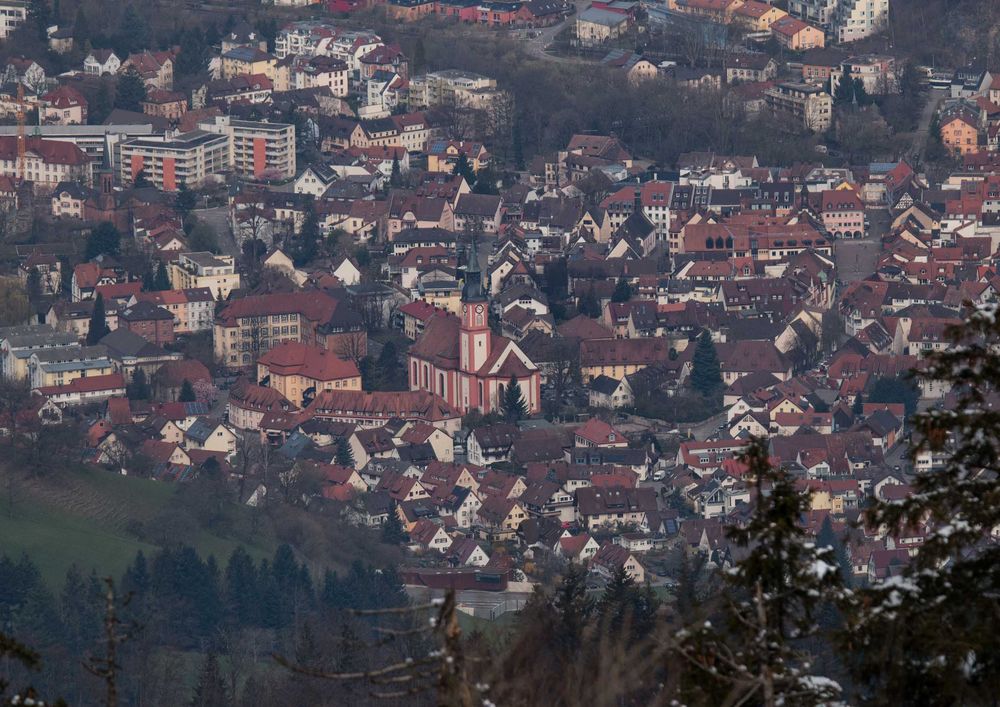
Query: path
934, 97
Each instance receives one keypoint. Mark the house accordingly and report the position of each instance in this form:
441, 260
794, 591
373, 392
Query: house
608, 392
168, 382
299, 371
598, 507
154, 324
610, 558
63, 105
579, 548
100, 62
490, 444
750, 67
960, 133
598, 433
466, 552
499, 518
428, 535
85, 390
792, 33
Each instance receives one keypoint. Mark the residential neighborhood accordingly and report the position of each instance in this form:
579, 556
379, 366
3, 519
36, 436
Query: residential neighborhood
309, 256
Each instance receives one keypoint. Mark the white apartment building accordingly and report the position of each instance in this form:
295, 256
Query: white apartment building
13, 13
811, 106
197, 270
167, 162
451, 86
843, 20
257, 149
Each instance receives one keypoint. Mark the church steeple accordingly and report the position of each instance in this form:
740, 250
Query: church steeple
472, 290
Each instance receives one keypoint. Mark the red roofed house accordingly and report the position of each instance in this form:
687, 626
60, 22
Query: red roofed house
612, 557
415, 316
598, 433
465, 363
429, 535
64, 105
248, 404
843, 213
169, 379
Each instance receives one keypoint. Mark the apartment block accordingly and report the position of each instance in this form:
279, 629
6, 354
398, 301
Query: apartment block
452, 87
216, 272
257, 149
167, 162
810, 106
843, 20
12, 15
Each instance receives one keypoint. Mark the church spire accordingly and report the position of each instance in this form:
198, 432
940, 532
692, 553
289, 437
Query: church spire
472, 290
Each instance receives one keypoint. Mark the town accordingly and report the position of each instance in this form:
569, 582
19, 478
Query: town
292, 253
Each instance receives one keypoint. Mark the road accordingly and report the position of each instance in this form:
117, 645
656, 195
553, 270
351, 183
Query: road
916, 151
547, 35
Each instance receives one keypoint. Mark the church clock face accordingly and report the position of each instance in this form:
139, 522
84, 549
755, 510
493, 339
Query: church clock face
479, 309
479, 315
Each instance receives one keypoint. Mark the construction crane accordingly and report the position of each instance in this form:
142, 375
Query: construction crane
21, 146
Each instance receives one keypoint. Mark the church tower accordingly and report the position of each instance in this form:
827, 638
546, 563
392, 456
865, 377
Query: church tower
474, 332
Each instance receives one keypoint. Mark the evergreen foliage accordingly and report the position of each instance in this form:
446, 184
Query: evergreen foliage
514, 406
98, 322
706, 373
104, 239
186, 394
131, 90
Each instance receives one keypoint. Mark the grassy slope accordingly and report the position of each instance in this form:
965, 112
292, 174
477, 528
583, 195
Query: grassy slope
83, 518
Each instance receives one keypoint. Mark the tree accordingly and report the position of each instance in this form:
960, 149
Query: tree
706, 373
392, 530
33, 285
81, 27
623, 291
102, 104
514, 406
211, 688
901, 389
933, 633
14, 305
40, 16
307, 244
202, 237
162, 280
187, 392
344, 455
844, 92
185, 201
588, 304
486, 182
396, 176
138, 389
131, 90
193, 57
104, 239
98, 323
419, 62
774, 593
463, 168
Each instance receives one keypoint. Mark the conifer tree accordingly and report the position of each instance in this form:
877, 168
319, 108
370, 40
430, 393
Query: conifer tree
186, 394
623, 291
706, 373
98, 323
589, 305
344, 455
514, 406
392, 530
162, 280
211, 688
933, 633
396, 176
775, 590
131, 90
138, 389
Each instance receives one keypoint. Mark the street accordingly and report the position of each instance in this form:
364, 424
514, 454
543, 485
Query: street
934, 97
218, 219
546, 35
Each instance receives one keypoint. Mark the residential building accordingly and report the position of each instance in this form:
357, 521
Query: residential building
165, 104
193, 309
155, 68
248, 60
257, 149
452, 87
13, 13
153, 323
100, 62
62, 365
794, 34
960, 133
167, 162
844, 20
803, 104
217, 273
63, 106
18, 343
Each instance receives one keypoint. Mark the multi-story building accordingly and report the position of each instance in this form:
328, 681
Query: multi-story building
298, 371
810, 106
46, 162
59, 366
452, 87
321, 71
843, 20
247, 60
167, 162
258, 150
18, 343
250, 326
12, 15
193, 309
196, 270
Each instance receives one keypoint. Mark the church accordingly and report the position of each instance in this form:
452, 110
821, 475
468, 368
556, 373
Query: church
464, 362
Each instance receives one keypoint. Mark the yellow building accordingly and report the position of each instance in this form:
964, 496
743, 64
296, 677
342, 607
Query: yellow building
248, 60
216, 272
61, 366
299, 371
